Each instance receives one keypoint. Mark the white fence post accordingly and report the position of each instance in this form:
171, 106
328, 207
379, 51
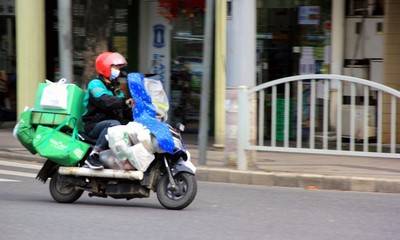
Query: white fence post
243, 127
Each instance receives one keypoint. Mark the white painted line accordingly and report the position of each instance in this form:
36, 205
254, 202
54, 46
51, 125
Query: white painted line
20, 165
8, 180
15, 173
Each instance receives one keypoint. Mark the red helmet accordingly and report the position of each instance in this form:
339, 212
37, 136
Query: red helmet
107, 59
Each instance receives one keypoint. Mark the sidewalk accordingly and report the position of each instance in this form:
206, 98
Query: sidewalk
275, 169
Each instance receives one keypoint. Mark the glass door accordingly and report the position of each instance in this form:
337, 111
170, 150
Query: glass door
187, 65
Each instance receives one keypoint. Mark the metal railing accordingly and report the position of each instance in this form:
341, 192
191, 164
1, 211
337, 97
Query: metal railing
368, 88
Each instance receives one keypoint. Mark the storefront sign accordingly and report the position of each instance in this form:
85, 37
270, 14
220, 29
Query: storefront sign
159, 66
307, 61
159, 30
309, 15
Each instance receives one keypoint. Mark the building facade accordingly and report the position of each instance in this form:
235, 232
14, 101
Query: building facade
266, 40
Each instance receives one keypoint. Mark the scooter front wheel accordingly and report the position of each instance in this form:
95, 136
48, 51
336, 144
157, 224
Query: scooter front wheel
182, 195
62, 191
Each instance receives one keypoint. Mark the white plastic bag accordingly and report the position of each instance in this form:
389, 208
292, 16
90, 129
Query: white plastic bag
110, 160
55, 95
131, 142
118, 141
140, 157
139, 133
158, 97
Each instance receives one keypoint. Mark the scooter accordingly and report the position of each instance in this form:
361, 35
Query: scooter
171, 176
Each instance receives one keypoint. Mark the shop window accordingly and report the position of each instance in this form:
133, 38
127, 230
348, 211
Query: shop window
293, 37
187, 64
102, 25
7, 62
365, 8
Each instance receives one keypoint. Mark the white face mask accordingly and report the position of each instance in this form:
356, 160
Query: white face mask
114, 73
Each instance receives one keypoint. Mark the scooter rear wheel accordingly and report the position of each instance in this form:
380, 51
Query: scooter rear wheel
62, 191
182, 196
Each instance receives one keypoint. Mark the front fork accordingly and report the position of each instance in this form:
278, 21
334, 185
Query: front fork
170, 177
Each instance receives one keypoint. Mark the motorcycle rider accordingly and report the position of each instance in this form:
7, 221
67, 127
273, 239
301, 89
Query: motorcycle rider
105, 103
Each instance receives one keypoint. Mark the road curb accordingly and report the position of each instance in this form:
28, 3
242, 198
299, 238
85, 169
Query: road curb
278, 179
306, 181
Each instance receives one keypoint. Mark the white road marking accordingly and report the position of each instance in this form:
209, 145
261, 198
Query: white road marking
8, 180
20, 165
15, 173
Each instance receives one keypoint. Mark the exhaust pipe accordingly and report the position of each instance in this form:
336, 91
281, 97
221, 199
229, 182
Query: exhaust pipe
105, 173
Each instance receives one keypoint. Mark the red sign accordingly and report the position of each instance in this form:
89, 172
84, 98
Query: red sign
171, 9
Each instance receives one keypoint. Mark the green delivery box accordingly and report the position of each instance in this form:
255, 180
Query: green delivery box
52, 116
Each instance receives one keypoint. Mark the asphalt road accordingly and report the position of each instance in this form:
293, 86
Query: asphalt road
220, 211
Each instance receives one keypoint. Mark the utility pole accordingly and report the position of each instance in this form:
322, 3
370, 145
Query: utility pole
241, 71
65, 39
338, 12
337, 56
205, 83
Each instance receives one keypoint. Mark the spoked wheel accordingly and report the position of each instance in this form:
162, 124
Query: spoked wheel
181, 196
62, 191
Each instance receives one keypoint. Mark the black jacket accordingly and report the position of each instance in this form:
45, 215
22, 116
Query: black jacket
104, 102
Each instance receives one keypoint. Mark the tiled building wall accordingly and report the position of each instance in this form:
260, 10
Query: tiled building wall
391, 62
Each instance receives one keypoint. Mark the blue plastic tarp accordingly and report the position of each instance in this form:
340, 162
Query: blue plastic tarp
144, 112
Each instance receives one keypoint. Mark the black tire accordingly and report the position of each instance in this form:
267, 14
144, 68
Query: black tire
185, 194
63, 192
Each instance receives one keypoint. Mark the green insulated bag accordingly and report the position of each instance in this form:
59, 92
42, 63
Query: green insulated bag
25, 132
56, 102
59, 147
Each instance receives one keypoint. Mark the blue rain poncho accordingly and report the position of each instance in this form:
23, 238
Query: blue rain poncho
144, 112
